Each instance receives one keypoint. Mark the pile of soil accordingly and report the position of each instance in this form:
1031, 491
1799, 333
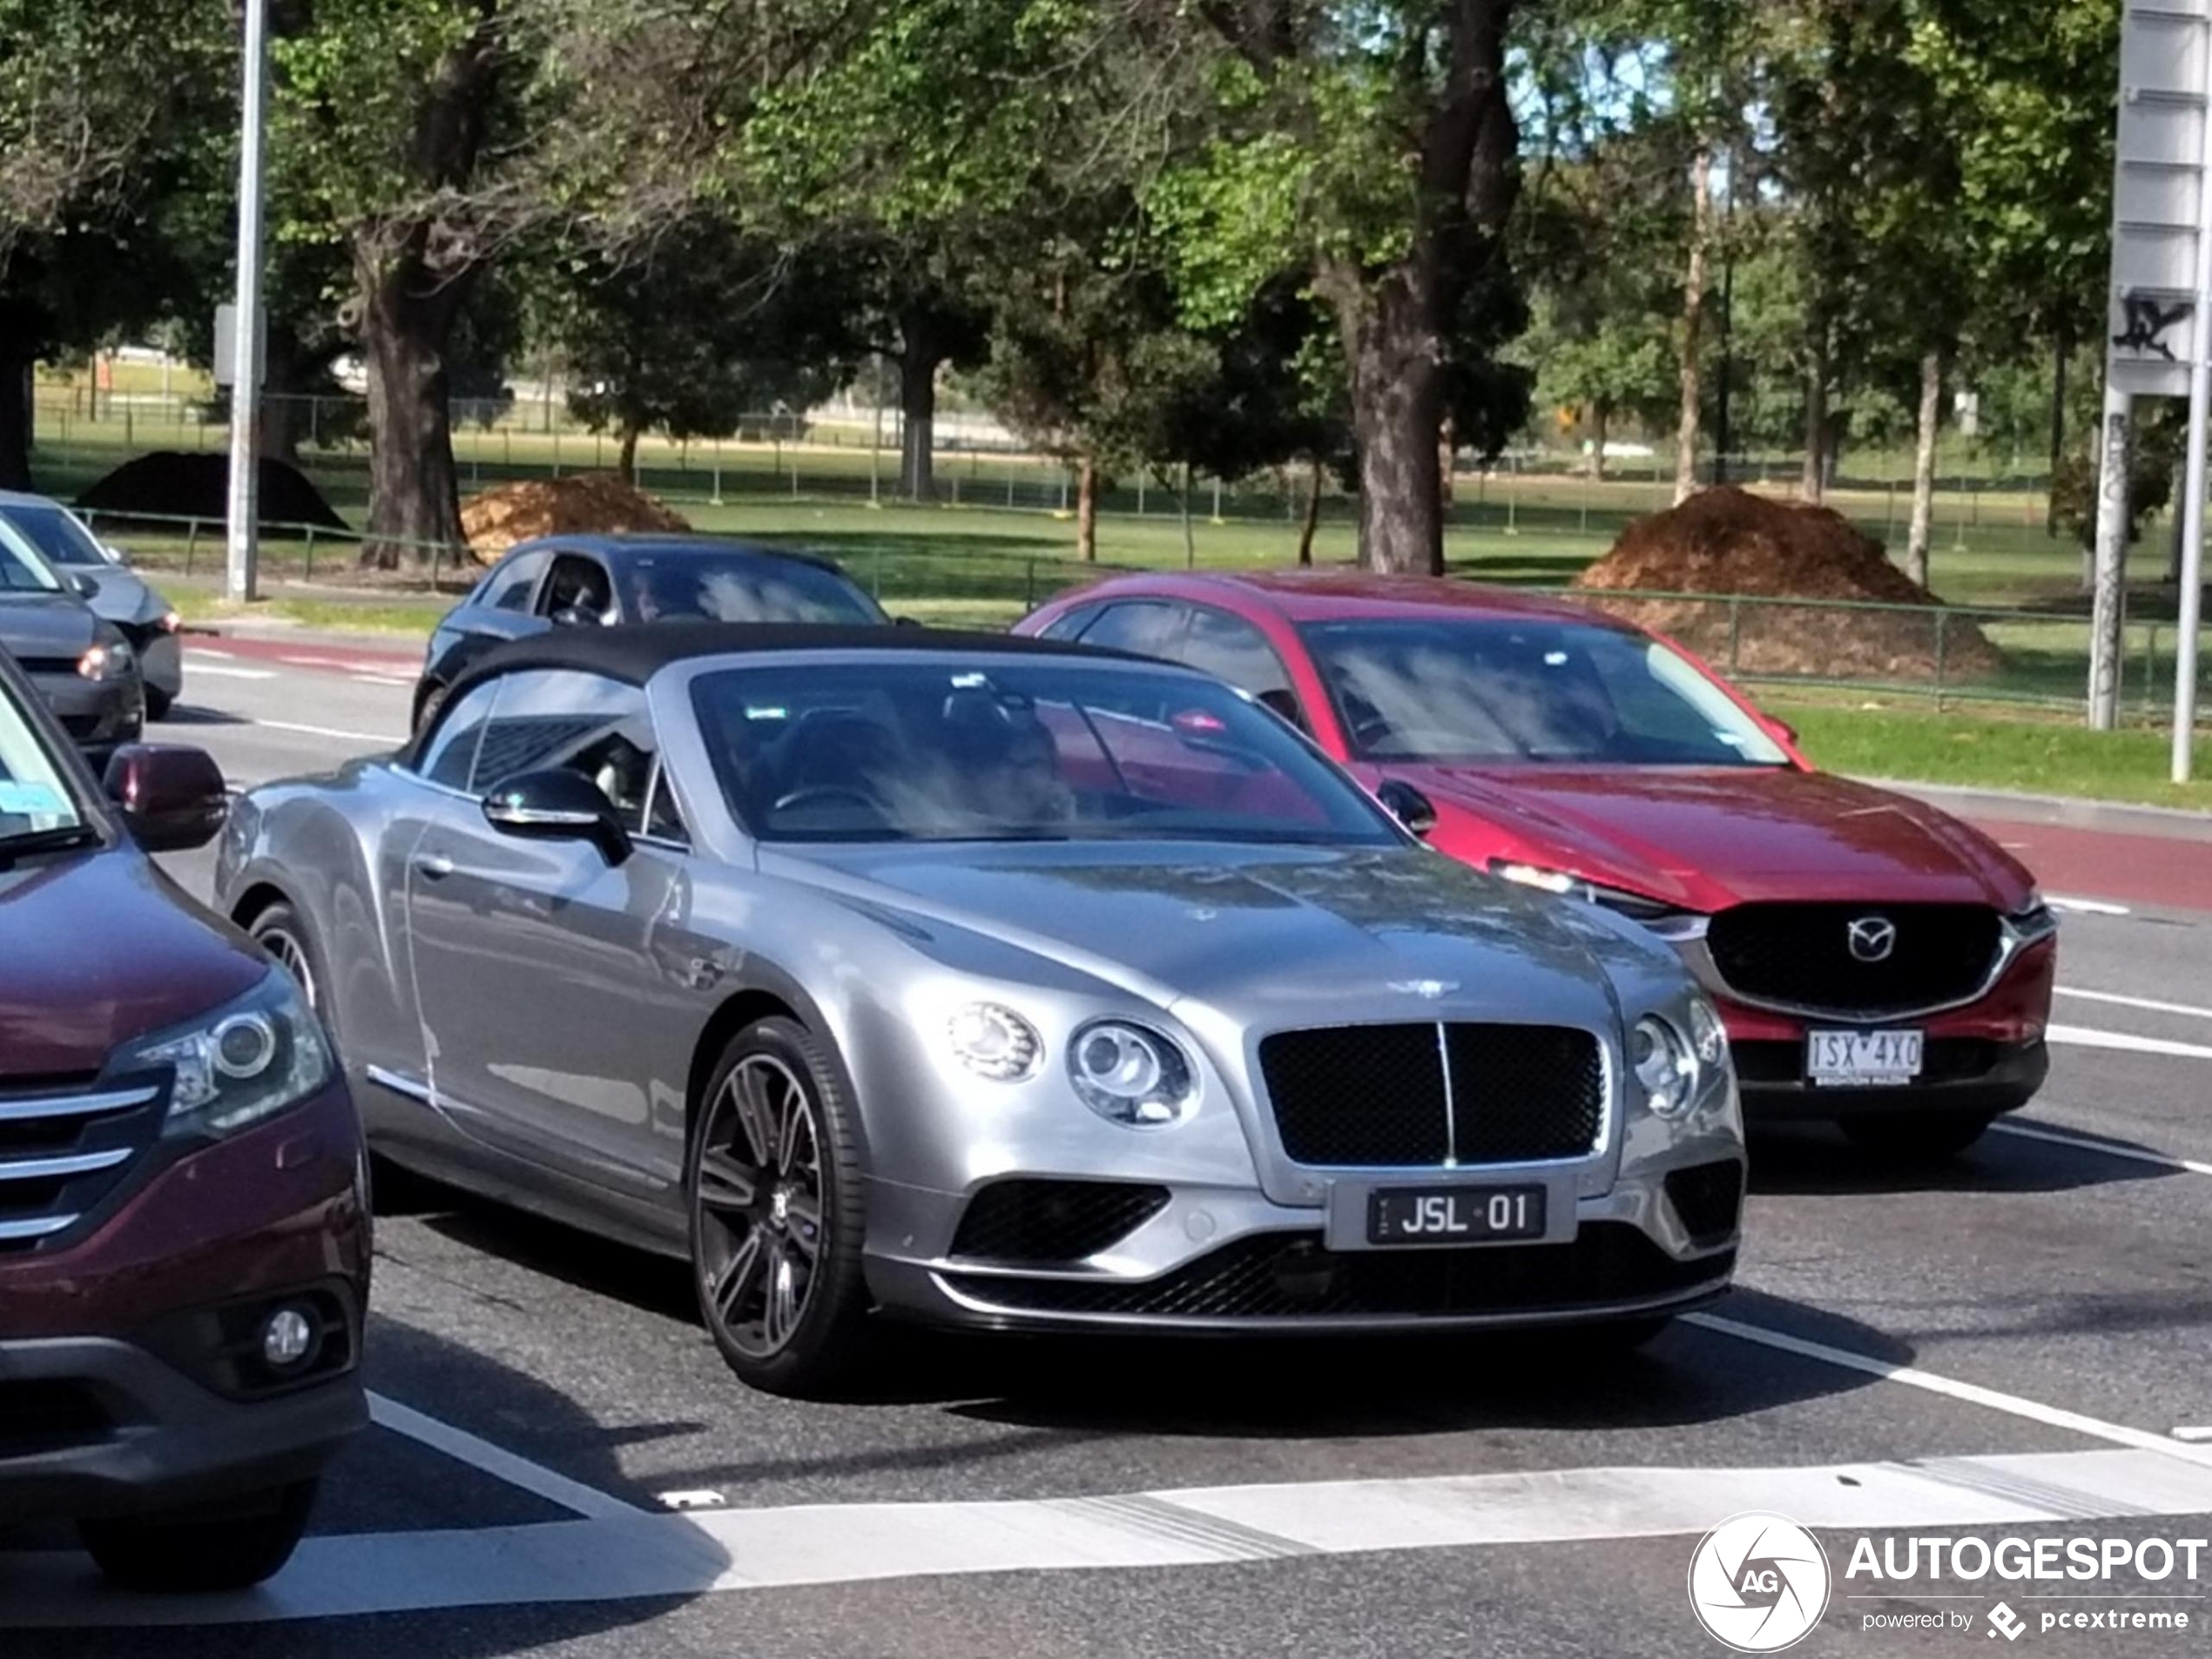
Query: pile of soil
172, 484
1727, 541
581, 503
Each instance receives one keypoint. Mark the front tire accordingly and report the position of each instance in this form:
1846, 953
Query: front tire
1918, 1137
159, 703
773, 1185
196, 1551
428, 702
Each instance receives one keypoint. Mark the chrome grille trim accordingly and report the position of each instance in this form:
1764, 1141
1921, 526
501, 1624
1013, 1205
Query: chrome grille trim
36, 1227
17, 1108
75, 1164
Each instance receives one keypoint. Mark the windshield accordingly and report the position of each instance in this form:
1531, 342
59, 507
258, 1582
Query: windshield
34, 800
59, 539
998, 749
24, 571
738, 587
1528, 690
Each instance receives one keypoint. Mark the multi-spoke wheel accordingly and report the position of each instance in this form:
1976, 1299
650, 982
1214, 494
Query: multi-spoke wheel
278, 931
775, 1192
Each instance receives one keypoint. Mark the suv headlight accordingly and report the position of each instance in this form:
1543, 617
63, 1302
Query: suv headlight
1131, 1075
108, 662
244, 1062
2033, 920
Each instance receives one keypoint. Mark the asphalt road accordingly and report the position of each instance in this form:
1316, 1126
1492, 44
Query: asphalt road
2006, 1344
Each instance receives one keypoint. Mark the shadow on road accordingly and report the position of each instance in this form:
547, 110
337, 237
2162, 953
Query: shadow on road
1814, 1160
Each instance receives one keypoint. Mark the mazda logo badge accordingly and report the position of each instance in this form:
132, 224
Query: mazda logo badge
1872, 939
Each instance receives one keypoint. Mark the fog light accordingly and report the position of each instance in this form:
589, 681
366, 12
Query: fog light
287, 1338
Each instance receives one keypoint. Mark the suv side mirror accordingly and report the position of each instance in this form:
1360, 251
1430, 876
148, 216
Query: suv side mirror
1407, 805
1781, 729
556, 806
82, 585
172, 797
1283, 703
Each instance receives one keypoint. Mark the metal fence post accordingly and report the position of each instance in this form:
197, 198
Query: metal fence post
1942, 617
1030, 585
192, 542
310, 576
1010, 487
876, 577
2150, 670
1217, 501
436, 549
1140, 492
716, 499
1735, 632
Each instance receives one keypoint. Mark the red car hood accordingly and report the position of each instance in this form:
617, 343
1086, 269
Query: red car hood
100, 949
1708, 838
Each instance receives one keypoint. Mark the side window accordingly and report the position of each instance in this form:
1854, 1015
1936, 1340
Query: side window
450, 757
1069, 624
509, 587
1148, 627
581, 723
1232, 649
577, 583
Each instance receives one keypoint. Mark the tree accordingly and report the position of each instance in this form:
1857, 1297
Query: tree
695, 331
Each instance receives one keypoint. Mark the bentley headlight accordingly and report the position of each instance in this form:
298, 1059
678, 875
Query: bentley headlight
993, 1041
1665, 1065
244, 1062
1708, 1037
1132, 1075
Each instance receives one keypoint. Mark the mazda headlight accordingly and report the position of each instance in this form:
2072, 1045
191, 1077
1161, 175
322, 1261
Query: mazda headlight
1665, 1065
993, 1041
2033, 920
244, 1062
1132, 1075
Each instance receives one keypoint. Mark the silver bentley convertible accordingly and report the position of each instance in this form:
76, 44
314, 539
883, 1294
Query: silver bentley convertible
989, 982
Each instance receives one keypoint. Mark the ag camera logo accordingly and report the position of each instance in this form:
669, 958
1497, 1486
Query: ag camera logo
1758, 1582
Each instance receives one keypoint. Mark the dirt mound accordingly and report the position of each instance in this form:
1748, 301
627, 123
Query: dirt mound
1727, 541
170, 484
581, 503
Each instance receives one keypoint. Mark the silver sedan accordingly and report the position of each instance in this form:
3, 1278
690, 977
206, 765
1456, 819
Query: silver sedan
992, 982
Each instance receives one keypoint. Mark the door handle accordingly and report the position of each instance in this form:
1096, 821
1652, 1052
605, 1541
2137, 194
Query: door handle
434, 867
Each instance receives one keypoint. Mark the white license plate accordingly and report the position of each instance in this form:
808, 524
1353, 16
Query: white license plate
1863, 1059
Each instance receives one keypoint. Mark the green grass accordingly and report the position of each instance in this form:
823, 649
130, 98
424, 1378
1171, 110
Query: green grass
1997, 751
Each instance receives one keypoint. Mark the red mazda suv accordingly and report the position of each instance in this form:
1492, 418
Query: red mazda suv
184, 1237
1877, 962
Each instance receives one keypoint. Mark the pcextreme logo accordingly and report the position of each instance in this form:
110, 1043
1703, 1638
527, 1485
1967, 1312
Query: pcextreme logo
1758, 1582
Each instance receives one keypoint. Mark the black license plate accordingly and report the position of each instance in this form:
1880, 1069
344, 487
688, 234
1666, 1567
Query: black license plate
1454, 1214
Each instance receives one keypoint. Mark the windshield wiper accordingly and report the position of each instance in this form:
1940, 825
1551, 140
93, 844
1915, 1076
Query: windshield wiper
58, 839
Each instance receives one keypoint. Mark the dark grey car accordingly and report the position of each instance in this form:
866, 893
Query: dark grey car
989, 982
81, 665
116, 592
601, 581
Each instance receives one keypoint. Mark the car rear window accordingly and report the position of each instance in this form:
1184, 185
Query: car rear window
741, 588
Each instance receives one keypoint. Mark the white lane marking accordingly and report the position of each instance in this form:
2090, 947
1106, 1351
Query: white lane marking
216, 671
692, 1498
735, 1550
194, 653
464, 1448
2193, 1433
344, 665
2090, 1143
379, 679
382, 742
1971, 1393
2152, 1003
2088, 906
2090, 1037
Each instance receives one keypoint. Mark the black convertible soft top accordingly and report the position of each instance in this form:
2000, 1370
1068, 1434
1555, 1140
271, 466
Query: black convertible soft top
635, 653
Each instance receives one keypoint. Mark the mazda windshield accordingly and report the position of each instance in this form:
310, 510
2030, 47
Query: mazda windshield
905, 750
1517, 690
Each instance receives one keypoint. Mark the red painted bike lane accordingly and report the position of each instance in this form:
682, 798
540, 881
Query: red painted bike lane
2170, 871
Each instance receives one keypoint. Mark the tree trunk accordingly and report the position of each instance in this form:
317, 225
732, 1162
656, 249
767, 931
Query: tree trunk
1395, 358
414, 488
626, 461
918, 405
283, 416
1813, 479
15, 420
1087, 510
1693, 321
1924, 460
1600, 418
1312, 511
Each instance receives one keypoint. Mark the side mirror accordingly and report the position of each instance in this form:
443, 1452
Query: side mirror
82, 585
1781, 729
173, 798
556, 806
1407, 805
1284, 703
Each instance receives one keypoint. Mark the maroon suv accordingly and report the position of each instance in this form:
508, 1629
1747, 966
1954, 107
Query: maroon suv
184, 1240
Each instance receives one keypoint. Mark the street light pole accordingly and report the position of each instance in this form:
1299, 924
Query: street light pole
246, 362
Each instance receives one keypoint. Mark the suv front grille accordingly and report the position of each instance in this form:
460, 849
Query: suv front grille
1802, 955
1382, 1096
63, 1150
1289, 1276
